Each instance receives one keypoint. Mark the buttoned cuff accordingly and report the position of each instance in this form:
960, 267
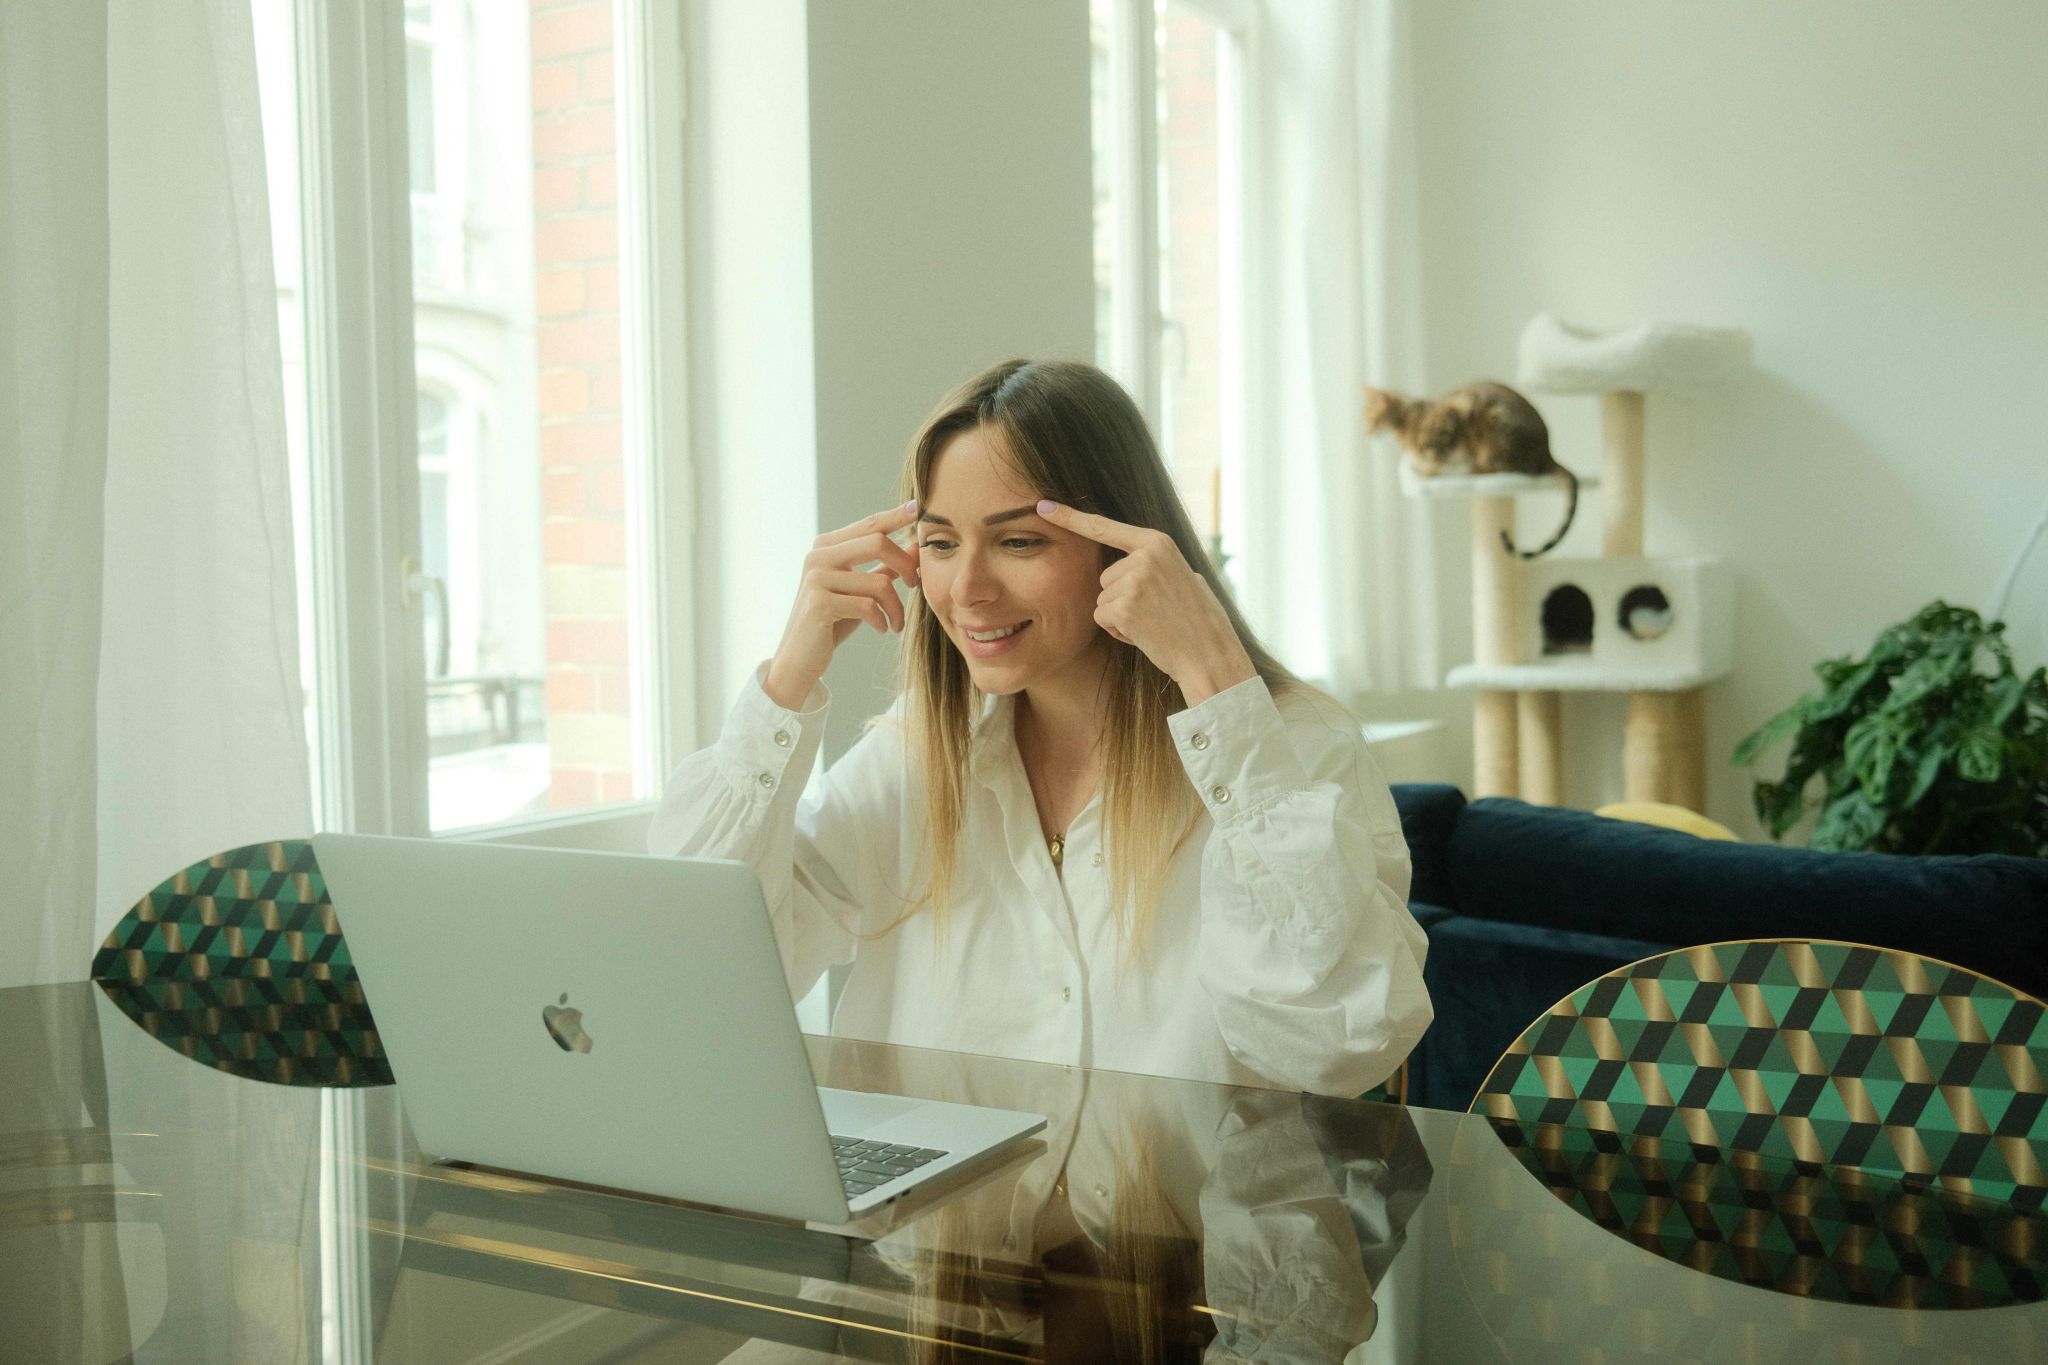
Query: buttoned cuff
1236, 751
765, 745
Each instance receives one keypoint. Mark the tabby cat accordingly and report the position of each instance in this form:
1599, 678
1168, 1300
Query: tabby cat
1482, 428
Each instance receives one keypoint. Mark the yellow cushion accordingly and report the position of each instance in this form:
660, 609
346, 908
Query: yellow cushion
1670, 817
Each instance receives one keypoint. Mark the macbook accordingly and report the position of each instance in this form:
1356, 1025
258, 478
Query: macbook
623, 1021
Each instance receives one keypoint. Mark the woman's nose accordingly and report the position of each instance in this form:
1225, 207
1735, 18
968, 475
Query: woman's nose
974, 583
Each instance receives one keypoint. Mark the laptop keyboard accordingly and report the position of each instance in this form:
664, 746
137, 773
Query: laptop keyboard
865, 1165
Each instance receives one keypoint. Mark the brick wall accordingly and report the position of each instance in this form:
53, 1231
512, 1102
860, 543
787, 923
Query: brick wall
582, 461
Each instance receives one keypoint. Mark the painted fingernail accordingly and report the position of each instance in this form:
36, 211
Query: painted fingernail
910, 506
1046, 506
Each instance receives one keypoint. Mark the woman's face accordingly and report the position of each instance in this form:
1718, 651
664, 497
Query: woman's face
989, 565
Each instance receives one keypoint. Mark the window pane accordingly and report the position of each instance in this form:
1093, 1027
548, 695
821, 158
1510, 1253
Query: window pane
1192, 281
419, 94
1101, 116
516, 320
278, 95
525, 484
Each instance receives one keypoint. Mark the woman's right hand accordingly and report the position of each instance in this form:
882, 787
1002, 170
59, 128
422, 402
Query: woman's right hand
836, 595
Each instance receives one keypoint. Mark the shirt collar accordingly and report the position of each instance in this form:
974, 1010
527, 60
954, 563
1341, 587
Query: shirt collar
990, 736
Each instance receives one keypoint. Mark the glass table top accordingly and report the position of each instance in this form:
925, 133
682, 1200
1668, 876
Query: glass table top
223, 1174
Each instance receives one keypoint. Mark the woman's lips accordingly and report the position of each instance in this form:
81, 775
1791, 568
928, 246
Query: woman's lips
989, 649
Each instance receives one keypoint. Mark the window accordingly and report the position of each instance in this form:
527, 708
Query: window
1170, 171
489, 500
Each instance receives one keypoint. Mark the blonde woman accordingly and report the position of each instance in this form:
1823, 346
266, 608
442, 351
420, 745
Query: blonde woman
1101, 826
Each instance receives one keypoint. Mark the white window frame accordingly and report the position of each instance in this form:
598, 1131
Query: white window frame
369, 671
1138, 322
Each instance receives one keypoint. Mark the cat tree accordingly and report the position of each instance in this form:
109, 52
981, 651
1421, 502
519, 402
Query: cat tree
1657, 629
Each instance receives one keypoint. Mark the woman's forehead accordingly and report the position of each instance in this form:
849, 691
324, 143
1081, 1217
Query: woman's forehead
973, 475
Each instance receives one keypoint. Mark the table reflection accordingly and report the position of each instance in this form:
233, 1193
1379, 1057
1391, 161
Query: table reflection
176, 1184
1815, 1231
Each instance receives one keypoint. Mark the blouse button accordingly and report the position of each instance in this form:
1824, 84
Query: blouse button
1102, 1191
1199, 740
1220, 795
1067, 994
766, 779
782, 738
1095, 859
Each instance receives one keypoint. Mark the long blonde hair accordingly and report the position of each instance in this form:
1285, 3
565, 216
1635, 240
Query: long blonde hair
1073, 434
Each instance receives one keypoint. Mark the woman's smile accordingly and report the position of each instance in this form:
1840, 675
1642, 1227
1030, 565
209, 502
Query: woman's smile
987, 644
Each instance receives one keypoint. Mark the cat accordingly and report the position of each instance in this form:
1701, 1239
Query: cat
1482, 428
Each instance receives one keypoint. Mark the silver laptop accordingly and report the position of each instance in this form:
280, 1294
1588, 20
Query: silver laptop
622, 1021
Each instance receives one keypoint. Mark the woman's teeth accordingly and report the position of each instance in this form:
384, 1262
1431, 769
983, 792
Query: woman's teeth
983, 637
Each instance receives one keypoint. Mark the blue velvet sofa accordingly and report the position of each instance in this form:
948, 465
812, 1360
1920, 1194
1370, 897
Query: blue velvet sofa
1523, 904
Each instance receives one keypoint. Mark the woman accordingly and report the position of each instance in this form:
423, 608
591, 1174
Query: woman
1101, 826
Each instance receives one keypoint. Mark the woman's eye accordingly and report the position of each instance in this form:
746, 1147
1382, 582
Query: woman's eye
1010, 543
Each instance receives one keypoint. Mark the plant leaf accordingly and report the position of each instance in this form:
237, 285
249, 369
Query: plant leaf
1848, 824
1925, 771
1778, 806
1981, 756
1842, 695
1923, 676
1770, 734
1861, 743
1877, 773
2005, 699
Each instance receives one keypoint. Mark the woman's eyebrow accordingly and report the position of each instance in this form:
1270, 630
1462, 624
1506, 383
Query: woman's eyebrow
1011, 515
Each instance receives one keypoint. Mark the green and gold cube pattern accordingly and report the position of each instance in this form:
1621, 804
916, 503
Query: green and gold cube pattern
1821, 1054
257, 911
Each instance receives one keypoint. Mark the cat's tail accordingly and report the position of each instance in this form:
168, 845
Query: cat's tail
1571, 509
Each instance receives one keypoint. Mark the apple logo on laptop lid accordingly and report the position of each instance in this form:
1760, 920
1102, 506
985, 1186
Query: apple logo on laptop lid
565, 1025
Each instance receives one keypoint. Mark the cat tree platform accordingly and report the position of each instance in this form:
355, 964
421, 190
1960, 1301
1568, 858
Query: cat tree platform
1485, 485
1516, 714
1575, 678
1652, 357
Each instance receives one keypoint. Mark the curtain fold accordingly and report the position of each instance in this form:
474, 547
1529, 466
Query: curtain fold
1339, 565
201, 713
53, 420
150, 708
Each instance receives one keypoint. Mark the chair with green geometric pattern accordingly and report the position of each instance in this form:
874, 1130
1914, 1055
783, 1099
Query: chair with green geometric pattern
1816, 1053
239, 962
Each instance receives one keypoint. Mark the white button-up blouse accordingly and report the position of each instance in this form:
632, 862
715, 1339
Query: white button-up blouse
1281, 953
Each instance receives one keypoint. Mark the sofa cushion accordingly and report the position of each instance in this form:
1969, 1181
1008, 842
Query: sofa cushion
1429, 812
1566, 869
1488, 980
1427, 914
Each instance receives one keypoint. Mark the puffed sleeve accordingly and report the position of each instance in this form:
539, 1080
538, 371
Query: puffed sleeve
827, 856
1308, 952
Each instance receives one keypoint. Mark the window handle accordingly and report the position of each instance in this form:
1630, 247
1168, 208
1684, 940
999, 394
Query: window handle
420, 585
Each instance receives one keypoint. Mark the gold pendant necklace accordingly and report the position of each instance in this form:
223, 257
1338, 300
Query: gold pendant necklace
1058, 847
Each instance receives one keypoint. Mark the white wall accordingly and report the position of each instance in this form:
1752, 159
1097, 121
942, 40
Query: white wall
1862, 186
884, 199
951, 229
753, 431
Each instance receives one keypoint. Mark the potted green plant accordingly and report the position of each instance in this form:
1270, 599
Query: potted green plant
1931, 743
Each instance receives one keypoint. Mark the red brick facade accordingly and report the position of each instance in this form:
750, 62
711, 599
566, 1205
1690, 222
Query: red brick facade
582, 454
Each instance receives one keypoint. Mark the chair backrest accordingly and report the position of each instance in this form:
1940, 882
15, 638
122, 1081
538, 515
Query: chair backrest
257, 911
238, 962
1816, 1052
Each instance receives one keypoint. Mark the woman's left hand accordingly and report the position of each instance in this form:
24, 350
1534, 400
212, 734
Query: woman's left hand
1153, 600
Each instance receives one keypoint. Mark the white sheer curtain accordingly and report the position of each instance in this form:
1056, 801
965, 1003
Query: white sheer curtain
150, 705
1339, 565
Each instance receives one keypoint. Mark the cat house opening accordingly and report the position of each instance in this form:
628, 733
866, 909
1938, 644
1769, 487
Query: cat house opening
1567, 621
1645, 612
